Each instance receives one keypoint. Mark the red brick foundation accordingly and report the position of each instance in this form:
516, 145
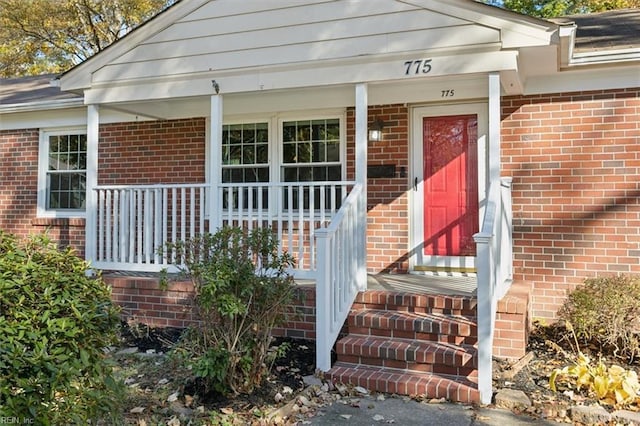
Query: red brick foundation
143, 301
513, 323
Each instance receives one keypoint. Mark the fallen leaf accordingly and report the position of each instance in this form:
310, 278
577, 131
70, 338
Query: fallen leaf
188, 400
136, 410
378, 418
361, 390
346, 416
227, 410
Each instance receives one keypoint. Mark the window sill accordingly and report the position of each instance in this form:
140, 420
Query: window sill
58, 221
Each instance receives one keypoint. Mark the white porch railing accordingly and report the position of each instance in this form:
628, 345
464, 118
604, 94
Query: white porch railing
341, 263
495, 273
293, 210
134, 222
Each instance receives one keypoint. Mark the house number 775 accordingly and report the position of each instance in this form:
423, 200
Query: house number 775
417, 66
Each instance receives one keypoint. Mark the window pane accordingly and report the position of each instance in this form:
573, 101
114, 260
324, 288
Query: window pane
236, 175
318, 153
262, 154
235, 134
248, 154
235, 154
304, 153
290, 174
334, 173
333, 150
262, 132
333, 130
303, 131
263, 174
288, 132
320, 174
289, 153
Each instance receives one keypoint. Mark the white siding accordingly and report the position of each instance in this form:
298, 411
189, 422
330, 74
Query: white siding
223, 35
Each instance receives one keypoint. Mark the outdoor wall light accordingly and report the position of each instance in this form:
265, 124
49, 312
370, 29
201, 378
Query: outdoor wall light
375, 131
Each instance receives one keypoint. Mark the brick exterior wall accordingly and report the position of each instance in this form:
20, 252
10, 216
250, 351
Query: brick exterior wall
18, 197
171, 151
575, 162
387, 198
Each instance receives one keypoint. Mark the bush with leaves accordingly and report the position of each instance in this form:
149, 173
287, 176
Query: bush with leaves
242, 292
55, 323
606, 311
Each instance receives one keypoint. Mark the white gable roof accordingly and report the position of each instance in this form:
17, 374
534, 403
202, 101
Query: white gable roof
256, 45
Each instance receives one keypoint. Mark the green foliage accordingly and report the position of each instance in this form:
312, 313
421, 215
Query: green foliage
611, 385
55, 323
557, 8
49, 36
606, 311
243, 291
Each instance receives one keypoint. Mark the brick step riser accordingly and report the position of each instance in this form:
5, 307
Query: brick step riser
416, 300
425, 337
403, 383
446, 326
423, 355
466, 312
468, 372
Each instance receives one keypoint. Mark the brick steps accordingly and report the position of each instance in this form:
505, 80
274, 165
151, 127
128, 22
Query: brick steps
411, 344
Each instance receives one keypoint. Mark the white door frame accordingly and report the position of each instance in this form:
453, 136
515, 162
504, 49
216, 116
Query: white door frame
417, 258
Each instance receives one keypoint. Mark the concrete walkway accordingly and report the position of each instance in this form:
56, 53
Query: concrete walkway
371, 411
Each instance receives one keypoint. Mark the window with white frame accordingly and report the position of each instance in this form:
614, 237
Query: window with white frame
311, 152
245, 159
62, 173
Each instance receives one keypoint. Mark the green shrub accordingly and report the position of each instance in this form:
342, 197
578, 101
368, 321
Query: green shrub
55, 323
242, 291
606, 311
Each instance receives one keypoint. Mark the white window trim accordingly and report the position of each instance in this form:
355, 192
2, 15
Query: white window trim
310, 115
275, 121
43, 163
275, 161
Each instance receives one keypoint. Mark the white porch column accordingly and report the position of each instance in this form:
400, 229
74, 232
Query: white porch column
91, 201
361, 140
215, 165
494, 128
485, 240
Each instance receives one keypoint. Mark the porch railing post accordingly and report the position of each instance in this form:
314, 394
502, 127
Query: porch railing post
323, 301
91, 202
485, 315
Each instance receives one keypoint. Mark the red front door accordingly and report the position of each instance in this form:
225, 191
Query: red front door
450, 184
